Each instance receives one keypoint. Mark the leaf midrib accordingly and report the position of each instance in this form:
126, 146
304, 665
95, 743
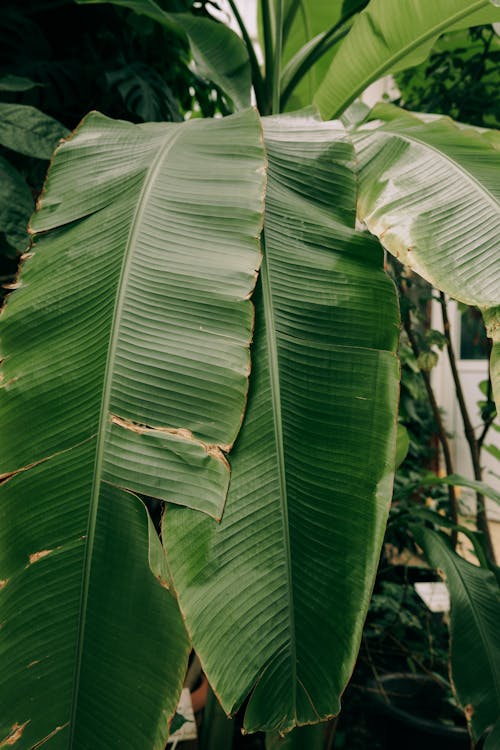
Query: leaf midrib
120, 298
455, 164
274, 377
389, 61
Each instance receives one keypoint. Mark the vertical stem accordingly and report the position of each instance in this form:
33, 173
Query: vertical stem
470, 436
443, 439
268, 54
257, 80
277, 57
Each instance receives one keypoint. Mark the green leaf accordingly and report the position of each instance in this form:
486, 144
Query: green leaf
312, 467
218, 52
126, 364
312, 25
16, 205
388, 36
10, 82
475, 614
402, 444
455, 479
493, 740
493, 450
28, 131
430, 192
311, 738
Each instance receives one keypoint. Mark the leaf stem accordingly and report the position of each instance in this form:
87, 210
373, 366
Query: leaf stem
470, 436
331, 37
268, 54
277, 56
257, 79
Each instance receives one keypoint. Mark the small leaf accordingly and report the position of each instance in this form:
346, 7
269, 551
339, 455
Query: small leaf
402, 444
28, 131
427, 360
12, 82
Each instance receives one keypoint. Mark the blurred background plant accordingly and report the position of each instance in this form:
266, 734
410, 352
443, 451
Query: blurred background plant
109, 59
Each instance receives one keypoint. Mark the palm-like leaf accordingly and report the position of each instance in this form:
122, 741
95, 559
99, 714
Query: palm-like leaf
475, 613
312, 467
390, 35
430, 192
126, 367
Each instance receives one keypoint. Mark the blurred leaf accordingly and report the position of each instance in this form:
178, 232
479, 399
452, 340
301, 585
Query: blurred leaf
28, 131
145, 93
402, 444
10, 82
218, 52
16, 205
492, 450
310, 737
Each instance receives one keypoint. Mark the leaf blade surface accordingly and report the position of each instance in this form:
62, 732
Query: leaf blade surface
275, 572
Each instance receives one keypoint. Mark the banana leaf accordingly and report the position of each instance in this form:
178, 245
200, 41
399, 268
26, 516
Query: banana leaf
475, 614
275, 596
391, 35
126, 370
430, 192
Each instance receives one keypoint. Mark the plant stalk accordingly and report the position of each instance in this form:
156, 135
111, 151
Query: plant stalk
443, 439
277, 57
257, 79
470, 436
268, 56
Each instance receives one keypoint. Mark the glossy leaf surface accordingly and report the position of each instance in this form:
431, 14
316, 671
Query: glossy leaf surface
390, 35
431, 194
126, 366
475, 614
312, 467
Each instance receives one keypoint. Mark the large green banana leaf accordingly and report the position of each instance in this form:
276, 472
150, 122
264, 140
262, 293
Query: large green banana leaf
126, 366
475, 614
275, 596
390, 35
307, 24
218, 52
431, 194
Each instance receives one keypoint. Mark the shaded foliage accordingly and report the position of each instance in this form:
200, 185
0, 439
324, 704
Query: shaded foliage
461, 78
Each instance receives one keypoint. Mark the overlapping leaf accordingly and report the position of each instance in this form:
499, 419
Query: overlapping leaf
126, 366
312, 468
218, 52
311, 26
430, 192
475, 613
390, 35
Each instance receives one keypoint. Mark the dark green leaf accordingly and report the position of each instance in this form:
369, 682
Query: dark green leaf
311, 483
16, 205
28, 131
218, 52
475, 614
